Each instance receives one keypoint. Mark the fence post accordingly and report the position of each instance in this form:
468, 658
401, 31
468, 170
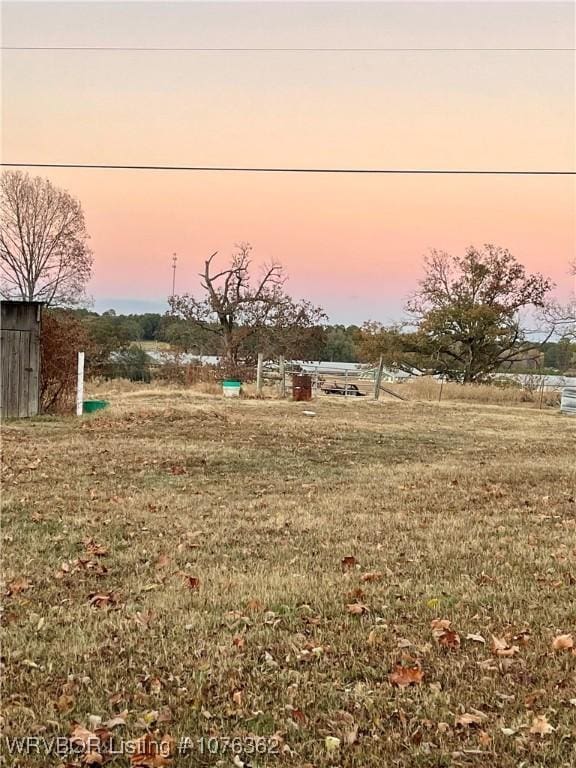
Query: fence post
541, 391
378, 378
282, 372
80, 385
346, 383
259, 374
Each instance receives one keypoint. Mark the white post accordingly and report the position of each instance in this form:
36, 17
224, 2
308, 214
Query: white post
80, 385
259, 374
282, 372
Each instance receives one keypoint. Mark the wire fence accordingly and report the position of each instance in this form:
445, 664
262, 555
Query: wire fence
270, 378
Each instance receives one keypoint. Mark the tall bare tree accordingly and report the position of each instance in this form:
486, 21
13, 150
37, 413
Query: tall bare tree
44, 254
236, 305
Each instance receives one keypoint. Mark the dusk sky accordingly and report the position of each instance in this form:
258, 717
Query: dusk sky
353, 244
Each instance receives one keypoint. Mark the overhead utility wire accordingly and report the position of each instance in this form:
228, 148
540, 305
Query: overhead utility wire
222, 49
255, 169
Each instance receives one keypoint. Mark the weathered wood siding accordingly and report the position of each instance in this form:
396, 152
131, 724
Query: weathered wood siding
20, 359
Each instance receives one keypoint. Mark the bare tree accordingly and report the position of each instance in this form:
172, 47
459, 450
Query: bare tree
561, 318
44, 254
237, 306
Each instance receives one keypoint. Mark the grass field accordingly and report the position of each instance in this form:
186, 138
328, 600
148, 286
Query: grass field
220, 571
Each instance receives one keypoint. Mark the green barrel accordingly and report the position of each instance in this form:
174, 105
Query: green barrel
90, 406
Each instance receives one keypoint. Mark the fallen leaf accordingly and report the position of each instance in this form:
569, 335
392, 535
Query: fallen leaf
540, 726
150, 751
143, 619
440, 624
332, 744
531, 698
21, 584
162, 562
254, 605
475, 638
348, 562
563, 642
155, 685
467, 720
357, 608
30, 664
373, 576
449, 639
445, 636
269, 660
65, 703
117, 721
83, 738
375, 637
101, 600
297, 715
95, 549
93, 758
351, 736
403, 676
192, 582
94, 721
484, 739
522, 638
501, 648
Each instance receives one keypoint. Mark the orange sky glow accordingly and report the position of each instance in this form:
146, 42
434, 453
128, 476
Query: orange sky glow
353, 244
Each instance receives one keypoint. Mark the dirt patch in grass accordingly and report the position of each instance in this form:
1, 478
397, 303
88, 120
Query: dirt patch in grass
233, 570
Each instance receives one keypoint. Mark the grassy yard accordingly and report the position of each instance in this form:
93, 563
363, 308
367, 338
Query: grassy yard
219, 571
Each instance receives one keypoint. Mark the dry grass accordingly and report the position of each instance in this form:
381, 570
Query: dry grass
432, 390
468, 513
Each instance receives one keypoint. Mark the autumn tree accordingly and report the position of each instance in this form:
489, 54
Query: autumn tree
240, 306
465, 316
44, 254
467, 310
400, 347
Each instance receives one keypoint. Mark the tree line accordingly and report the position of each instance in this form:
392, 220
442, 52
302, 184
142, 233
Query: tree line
469, 316
111, 333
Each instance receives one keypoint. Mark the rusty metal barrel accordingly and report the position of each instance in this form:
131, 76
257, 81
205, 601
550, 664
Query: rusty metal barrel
302, 386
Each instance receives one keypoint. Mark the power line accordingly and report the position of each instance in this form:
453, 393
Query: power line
161, 49
254, 169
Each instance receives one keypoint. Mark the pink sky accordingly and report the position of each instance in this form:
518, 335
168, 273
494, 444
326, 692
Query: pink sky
351, 243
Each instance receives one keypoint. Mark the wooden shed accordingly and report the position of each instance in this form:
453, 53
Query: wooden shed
20, 358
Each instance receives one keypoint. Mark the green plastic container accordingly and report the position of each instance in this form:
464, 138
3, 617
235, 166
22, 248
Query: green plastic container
231, 388
90, 406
